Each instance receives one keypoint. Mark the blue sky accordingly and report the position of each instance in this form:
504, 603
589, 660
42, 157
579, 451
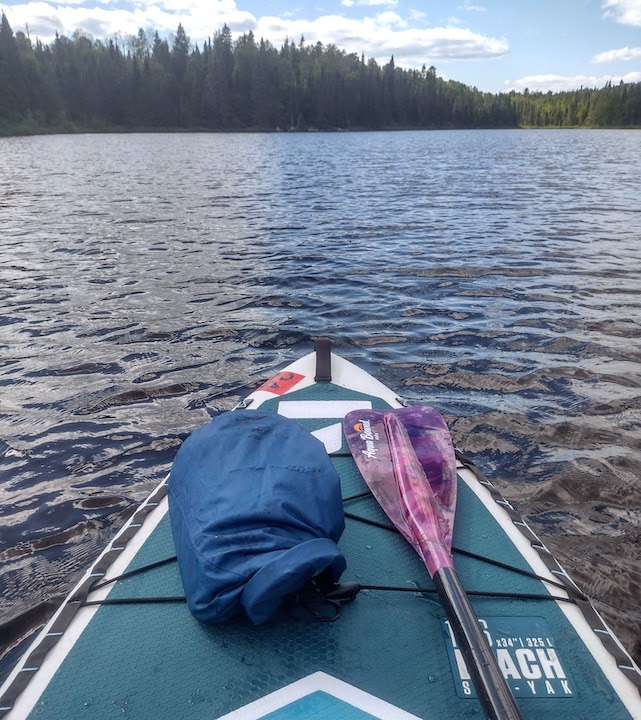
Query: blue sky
494, 45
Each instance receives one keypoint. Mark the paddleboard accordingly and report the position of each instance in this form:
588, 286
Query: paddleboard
123, 644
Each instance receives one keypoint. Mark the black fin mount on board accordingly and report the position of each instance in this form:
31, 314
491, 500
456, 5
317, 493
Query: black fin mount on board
323, 349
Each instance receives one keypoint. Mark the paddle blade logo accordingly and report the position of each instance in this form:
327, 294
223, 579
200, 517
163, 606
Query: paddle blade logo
369, 437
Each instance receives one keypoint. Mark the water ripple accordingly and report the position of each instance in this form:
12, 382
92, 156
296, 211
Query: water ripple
148, 282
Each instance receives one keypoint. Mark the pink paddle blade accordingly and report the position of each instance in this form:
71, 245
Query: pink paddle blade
407, 460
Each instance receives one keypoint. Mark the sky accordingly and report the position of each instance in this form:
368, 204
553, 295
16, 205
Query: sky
494, 45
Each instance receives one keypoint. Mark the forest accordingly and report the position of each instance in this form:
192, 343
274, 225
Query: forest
148, 83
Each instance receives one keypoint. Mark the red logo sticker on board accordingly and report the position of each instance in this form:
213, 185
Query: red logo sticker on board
281, 383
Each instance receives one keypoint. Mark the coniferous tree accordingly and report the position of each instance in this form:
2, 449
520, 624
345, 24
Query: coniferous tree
179, 60
249, 84
9, 107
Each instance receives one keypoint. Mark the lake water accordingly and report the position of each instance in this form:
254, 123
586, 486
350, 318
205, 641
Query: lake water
148, 282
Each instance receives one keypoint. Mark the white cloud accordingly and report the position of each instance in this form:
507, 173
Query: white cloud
621, 55
378, 36
387, 3
218, 7
470, 6
626, 12
416, 14
558, 83
44, 20
200, 18
386, 35
391, 18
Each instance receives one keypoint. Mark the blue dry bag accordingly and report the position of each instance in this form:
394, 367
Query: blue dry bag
256, 511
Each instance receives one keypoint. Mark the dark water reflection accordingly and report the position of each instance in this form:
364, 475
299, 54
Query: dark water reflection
149, 281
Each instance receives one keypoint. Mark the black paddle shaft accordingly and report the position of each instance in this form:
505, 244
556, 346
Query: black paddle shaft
491, 687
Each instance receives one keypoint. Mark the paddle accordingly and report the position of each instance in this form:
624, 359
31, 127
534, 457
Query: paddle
407, 459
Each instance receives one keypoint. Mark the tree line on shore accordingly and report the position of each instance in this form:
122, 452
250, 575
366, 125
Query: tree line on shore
145, 82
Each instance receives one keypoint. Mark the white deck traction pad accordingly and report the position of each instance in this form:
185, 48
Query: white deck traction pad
317, 409
331, 437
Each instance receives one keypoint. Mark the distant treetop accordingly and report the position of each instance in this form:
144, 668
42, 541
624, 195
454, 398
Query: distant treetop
138, 83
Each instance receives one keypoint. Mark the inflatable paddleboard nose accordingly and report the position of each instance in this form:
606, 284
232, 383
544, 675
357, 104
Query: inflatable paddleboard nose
256, 512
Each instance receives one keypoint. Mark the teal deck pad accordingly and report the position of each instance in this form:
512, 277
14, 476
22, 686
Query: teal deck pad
156, 660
